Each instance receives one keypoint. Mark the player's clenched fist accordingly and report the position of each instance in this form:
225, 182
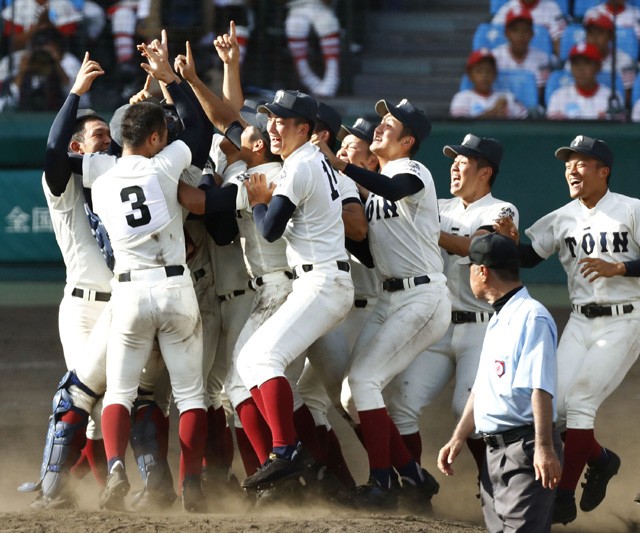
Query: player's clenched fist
258, 190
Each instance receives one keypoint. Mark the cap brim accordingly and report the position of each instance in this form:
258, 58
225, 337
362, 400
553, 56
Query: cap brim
252, 118
278, 111
346, 130
382, 108
453, 150
565, 152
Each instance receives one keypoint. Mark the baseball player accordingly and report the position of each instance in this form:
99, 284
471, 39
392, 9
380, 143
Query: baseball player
153, 291
305, 207
586, 98
302, 16
626, 14
87, 288
597, 238
413, 310
512, 400
476, 162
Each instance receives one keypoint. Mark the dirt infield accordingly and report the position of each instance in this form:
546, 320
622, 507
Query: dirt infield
31, 363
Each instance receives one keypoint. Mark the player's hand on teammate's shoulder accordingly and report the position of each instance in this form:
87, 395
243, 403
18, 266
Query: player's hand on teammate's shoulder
593, 268
505, 226
227, 46
259, 191
332, 158
185, 65
89, 71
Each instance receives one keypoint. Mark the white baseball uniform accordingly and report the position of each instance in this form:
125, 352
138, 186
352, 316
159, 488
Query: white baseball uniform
569, 103
594, 354
470, 104
545, 13
536, 61
459, 350
628, 17
152, 292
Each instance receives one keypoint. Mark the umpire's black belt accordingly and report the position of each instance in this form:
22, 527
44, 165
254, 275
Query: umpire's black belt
595, 310
171, 270
500, 440
466, 317
91, 295
399, 284
342, 265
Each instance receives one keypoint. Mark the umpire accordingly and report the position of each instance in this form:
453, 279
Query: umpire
512, 401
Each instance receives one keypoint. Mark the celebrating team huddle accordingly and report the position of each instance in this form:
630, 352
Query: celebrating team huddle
256, 276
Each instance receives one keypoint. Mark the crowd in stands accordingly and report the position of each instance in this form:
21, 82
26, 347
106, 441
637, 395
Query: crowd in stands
556, 59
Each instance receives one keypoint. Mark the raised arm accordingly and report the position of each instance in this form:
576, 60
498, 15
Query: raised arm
229, 52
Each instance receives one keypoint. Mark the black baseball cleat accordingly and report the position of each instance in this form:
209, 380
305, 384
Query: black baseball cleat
417, 497
193, 499
116, 488
597, 478
273, 470
373, 495
564, 511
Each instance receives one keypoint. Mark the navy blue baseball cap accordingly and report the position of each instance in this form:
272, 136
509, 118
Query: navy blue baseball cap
251, 116
292, 104
329, 116
409, 115
473, 146
86, 112
362, 128
588, 146
494, 250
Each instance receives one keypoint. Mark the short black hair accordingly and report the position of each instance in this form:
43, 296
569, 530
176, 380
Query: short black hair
483, 163
407, 131
310, 123
78, 127
140, 121
264, 137
321, 125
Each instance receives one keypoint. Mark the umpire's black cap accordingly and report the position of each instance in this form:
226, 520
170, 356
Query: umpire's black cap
494, 250
409, 115
362, 128
588, 146
473, 146
330, 117
292, 104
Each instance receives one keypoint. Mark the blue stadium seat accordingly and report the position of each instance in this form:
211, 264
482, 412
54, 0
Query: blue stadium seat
497, 4
580, 7
635, 91
489, 35
522, 83
562, 78
626, 40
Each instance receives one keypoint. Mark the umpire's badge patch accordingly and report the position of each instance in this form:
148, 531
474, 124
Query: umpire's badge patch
499, 368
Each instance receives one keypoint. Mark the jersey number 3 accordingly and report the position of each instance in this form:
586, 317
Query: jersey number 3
135, 195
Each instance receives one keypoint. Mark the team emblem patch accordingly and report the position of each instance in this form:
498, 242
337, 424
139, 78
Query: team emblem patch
499, 368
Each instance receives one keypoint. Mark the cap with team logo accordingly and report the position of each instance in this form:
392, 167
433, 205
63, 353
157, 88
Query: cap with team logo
588, 50
292, 104
481, 54
362, 128
251, 116
330, 117
588, 146
518, 13
600, 20
473, 146
494, 250
409, 115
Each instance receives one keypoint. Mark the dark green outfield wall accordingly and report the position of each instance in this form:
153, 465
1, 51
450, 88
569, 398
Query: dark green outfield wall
530, 176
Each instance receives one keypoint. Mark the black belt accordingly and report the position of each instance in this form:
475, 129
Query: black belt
342, 265
199, 274
500, 440
466, 317
259, 282
99, 296
595, 310
231, 295
360, 303
171, 270
398, 284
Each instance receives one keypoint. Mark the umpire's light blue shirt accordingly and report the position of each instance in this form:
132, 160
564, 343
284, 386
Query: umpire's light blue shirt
518, 355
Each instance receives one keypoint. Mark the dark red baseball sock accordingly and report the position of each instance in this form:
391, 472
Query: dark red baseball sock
578, 447
478, 449
193, 435
305, 428
256, 430
116, 427
336, 462
278, 405
228, 447
597, 453
248, 455
413, 442
215, 448
97, 459
162, 431
81, 467
400, 455
374, 424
